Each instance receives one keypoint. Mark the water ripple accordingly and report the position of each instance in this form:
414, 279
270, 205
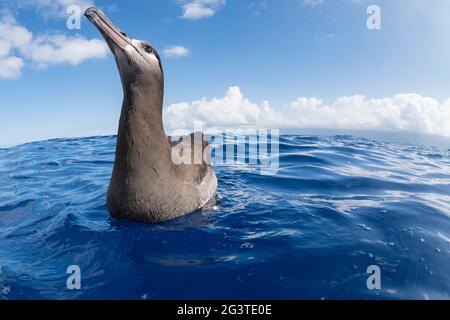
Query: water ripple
336, 206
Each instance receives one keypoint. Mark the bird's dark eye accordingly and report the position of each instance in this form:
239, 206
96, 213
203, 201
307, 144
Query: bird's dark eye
148, 49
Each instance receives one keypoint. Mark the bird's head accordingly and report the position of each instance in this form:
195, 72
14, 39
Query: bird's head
138, 62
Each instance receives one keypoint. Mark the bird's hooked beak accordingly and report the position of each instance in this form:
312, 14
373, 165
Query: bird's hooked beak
114, 37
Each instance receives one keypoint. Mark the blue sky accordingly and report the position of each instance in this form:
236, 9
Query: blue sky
273, 63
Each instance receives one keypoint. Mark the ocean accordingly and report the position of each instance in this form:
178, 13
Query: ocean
336, 206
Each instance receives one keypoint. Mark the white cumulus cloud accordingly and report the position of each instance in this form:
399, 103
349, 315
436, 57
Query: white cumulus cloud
10, 67
5, 47
57, 49
18, 47
55, 8
313, 3
198, 9
400, 113
173, 51
13, 35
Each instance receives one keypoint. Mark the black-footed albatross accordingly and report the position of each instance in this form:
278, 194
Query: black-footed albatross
146, 183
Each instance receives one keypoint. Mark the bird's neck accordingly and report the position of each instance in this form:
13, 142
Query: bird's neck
141, 140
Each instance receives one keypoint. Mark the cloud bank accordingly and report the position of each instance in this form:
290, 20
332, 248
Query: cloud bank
19, 46
400, 113
198, 9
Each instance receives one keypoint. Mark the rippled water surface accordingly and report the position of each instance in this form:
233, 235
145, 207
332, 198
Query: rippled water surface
336, 206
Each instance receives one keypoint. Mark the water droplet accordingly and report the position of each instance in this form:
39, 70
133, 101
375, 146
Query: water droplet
391, 291
247, 245
5, 291
364, 227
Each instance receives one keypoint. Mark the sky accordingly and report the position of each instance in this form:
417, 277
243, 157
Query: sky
231, 64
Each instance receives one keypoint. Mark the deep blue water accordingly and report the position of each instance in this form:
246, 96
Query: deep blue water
336, 206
